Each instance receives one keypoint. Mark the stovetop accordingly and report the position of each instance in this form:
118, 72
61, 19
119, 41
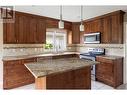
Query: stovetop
93, 52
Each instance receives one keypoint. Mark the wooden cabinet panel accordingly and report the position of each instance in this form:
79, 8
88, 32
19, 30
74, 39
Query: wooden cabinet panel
41, 31
9, 33
75, 33
33, 30
106, 32
93, 26
110, 71
68, 26
79, 78
22, 29
50, 23
75, 79
117, 29
15, 74
27, 29
29, 60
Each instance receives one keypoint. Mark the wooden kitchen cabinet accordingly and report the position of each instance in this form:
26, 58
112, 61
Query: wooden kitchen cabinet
110, 71
72, 79
15, 74
30, 29
106, 32
41, 31
26, 29
51, 23
33, 29
75, 33
93, 26
22, 28
117, 28
113, 28
9, 33
110, 25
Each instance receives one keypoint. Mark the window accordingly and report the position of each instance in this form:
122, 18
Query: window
56, 40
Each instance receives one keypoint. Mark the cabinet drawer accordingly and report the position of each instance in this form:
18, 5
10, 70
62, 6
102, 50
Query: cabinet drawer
29, 60
105, 67
101, 59
107, 80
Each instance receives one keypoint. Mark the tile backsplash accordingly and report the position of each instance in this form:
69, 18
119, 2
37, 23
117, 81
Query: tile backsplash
110, 49
22, 49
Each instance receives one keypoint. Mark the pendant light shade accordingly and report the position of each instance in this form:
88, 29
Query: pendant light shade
81, 25
61, 23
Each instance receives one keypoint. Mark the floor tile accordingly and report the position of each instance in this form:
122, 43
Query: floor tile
96, 85
106, 87
122, 87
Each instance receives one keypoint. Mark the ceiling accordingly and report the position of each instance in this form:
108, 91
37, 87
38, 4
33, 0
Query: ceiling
70, 13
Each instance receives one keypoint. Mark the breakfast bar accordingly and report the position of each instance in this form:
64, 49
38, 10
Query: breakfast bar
63, 73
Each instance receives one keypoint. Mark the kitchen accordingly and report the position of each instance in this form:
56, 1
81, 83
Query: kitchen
25, 41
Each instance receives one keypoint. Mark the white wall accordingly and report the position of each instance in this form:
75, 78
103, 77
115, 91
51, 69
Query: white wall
1, 53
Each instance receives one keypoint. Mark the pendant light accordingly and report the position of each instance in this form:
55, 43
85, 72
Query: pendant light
81, 25
61, 23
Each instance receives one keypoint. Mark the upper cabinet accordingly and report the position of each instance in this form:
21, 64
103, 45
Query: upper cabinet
30, 29
106, 30
110, 25
9, 33
117, 28
75, 33
93, 26
112, 31
41, 31
26, 29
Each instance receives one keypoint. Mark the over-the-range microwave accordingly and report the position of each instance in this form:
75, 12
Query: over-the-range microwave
92, 38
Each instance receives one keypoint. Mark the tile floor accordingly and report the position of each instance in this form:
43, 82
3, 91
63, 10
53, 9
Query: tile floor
94, 86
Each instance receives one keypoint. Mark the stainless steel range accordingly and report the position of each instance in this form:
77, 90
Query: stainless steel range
91, 55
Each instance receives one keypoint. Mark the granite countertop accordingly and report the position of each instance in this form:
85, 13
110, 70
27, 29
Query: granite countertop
8, 58
110, 57
40, 69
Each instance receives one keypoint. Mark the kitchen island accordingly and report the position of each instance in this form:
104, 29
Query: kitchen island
63, 73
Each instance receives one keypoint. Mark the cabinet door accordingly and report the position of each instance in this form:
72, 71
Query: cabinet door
68, 26
117, 29
31, 34
22, 29
106, 32
82, 78
93, 26
105, 73
15, 74
75, 34
88, 27
96, 26
51, 23
41, 31
9, 33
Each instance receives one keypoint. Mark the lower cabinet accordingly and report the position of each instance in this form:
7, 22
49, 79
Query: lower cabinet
110, 71
15, 74
73, 79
